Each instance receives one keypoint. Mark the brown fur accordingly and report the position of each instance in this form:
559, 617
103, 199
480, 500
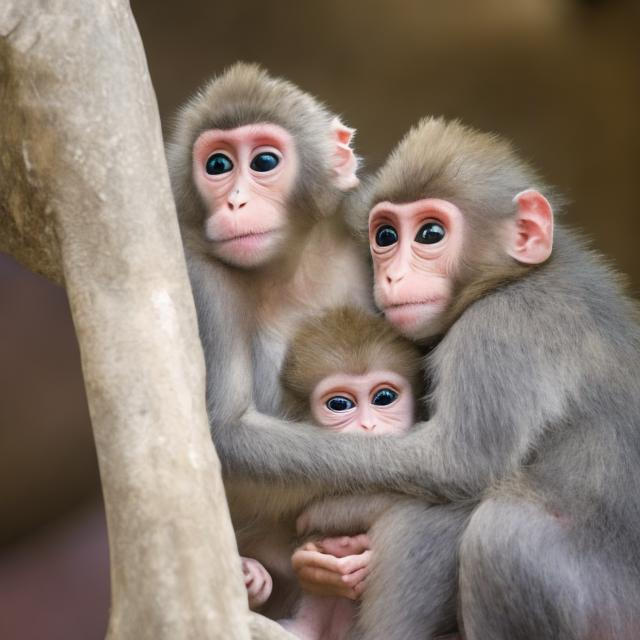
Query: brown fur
344, 340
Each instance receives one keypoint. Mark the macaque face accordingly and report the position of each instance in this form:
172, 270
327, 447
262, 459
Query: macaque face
376, 403
245, 177
416, 250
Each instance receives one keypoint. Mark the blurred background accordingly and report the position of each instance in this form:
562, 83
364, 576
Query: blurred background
561, 78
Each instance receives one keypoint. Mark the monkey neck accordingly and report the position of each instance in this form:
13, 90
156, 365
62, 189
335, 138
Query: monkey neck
306, 279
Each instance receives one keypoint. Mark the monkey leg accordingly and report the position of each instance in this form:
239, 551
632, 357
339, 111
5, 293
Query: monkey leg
525, 574
411, 591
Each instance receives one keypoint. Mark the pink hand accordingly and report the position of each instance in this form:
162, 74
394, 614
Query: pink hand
326, 574
257, 581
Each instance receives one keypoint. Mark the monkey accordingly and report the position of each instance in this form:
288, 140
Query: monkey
349, 371
527, 463
261, 174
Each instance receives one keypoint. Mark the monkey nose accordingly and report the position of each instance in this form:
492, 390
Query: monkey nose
394, 276
236, 199
236, 203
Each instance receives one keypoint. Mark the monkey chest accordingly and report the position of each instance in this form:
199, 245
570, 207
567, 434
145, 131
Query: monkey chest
268, 349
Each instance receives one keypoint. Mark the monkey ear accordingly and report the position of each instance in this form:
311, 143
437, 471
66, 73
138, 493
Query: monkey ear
345, 163
532, 239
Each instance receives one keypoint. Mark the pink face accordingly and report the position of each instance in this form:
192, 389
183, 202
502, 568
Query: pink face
375, 403
415, 249
245, 177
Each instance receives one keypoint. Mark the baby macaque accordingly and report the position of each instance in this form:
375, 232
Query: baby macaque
350, 372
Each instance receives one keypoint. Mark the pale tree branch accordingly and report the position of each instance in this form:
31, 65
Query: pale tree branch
85, 199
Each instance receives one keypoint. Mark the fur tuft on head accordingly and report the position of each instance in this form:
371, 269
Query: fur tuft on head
246, 94
344, 340
478, 172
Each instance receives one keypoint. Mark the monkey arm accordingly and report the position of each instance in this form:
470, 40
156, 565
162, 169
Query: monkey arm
344, 515
496, 388
269, 449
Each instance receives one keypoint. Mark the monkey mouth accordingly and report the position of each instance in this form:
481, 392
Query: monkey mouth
415, 305
407, 317
252, 236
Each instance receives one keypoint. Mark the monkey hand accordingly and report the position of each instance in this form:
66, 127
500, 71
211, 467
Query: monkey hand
257, 581
333, 566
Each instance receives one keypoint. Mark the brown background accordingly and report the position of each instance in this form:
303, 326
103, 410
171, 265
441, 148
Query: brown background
559, 77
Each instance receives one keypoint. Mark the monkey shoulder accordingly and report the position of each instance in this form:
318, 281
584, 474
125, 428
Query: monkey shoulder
563, 328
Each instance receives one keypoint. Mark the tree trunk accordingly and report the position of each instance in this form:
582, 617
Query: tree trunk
85, 200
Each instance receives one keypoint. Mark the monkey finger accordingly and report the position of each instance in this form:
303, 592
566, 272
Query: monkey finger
359, 589
355, 578
302, 557
351, 564
341, 566
325, 561
326, 583
260, 591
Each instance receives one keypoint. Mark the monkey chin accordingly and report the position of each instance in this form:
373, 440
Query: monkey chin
251, 250
417, 320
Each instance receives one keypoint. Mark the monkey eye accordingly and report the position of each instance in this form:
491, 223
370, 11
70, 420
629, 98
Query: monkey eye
386, 235
383, 397
339, 403
218, 163
266, 161
430, 233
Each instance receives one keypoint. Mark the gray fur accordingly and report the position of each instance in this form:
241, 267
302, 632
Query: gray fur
535, 412
535, 405
248, 317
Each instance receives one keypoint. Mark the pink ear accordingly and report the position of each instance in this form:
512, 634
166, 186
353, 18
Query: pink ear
345, 163
533, 239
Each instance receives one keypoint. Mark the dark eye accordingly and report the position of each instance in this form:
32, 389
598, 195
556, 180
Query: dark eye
384, 397
430, 233
339, 403
386, 235
218, 163
265, 162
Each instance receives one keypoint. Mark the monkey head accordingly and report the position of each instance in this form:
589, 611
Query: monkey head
453, 215
255, 162
351, 371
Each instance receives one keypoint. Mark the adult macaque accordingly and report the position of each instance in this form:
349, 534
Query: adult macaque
534, 407
259, 170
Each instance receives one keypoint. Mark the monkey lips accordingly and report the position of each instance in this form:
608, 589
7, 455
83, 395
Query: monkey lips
410, 318
248, 249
